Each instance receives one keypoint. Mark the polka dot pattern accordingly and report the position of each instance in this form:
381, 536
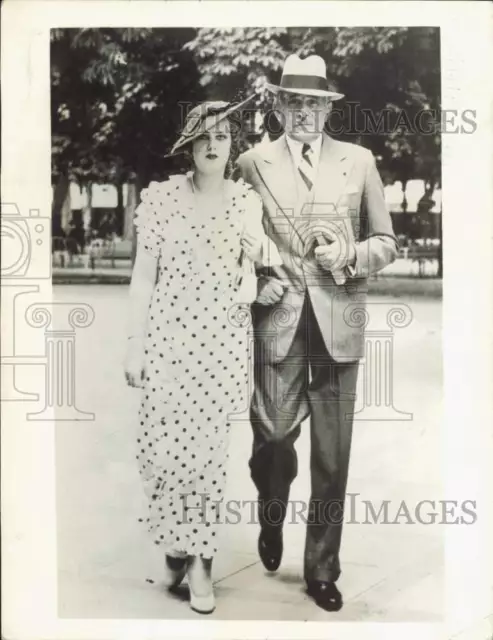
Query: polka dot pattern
196, 361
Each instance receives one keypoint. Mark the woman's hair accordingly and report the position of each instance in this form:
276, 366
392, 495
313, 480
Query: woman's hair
235, 132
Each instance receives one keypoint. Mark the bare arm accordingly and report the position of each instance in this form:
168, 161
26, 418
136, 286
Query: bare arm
140, 296
141, 289
144, 276
269, 289
254, 229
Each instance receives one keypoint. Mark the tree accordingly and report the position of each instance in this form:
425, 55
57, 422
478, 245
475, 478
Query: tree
111, 91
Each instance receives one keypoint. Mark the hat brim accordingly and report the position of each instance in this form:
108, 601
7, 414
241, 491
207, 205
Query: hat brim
333, 95
215, 119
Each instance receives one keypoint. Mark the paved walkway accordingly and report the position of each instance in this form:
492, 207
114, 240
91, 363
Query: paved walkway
391, 572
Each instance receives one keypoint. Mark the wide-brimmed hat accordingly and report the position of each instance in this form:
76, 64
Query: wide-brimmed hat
308, 77
204, 117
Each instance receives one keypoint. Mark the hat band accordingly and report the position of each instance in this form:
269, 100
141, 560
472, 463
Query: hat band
303, 82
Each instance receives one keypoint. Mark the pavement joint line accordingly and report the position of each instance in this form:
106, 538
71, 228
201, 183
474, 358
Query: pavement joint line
416, 574
243, 596
229, 575
360, 593
402, 616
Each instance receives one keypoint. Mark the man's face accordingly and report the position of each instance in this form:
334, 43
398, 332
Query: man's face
303, 117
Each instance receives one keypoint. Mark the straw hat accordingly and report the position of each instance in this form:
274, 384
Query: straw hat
204, 117
308, 77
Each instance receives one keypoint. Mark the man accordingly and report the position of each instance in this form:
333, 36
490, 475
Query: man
324, 208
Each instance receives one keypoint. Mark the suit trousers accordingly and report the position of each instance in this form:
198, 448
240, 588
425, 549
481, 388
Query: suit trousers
307, 382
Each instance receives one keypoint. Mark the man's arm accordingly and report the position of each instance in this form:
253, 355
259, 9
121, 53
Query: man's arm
380, 247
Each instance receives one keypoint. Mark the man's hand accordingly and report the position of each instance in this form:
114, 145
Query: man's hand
335, 256
270, 290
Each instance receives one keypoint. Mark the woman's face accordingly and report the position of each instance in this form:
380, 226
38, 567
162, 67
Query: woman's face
211, 149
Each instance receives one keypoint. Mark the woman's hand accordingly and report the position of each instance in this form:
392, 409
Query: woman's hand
134, 363
252, 246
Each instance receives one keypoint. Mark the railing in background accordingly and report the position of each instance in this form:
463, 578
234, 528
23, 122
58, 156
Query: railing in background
68, 253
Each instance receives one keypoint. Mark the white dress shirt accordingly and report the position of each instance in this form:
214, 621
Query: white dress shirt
295, 148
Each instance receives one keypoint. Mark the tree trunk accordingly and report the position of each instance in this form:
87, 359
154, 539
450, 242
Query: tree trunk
440, 259
120, 209
61, 191
128, 222
87, 210
404, 199
66, 214
432, 185
440, 237
138, 186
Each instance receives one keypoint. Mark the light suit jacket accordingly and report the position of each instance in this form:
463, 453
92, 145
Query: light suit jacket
347, 198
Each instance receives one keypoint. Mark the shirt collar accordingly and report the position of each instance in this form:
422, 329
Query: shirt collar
295, 147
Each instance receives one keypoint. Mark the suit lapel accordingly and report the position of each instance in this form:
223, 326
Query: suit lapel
332, 175
334, 170
276, 170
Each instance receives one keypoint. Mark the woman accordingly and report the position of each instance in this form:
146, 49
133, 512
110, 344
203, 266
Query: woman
198, 235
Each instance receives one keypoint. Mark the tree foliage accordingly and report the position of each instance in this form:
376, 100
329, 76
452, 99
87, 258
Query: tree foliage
111, 96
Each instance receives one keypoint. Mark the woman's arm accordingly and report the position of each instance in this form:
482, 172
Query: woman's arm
265, 253
142, 285
144, 272
149, 216
140, 295
260, 252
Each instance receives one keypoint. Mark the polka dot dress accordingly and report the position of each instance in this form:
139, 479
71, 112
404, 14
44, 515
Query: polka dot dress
196, 362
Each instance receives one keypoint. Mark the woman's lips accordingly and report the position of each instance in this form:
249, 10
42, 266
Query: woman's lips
211, 156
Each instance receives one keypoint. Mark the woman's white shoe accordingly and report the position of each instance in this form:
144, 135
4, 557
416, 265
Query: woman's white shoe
200, 585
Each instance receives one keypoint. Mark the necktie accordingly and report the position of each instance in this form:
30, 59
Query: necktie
306, 166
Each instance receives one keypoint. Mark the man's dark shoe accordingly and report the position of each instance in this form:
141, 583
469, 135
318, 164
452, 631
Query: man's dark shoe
270, 548
326, 595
